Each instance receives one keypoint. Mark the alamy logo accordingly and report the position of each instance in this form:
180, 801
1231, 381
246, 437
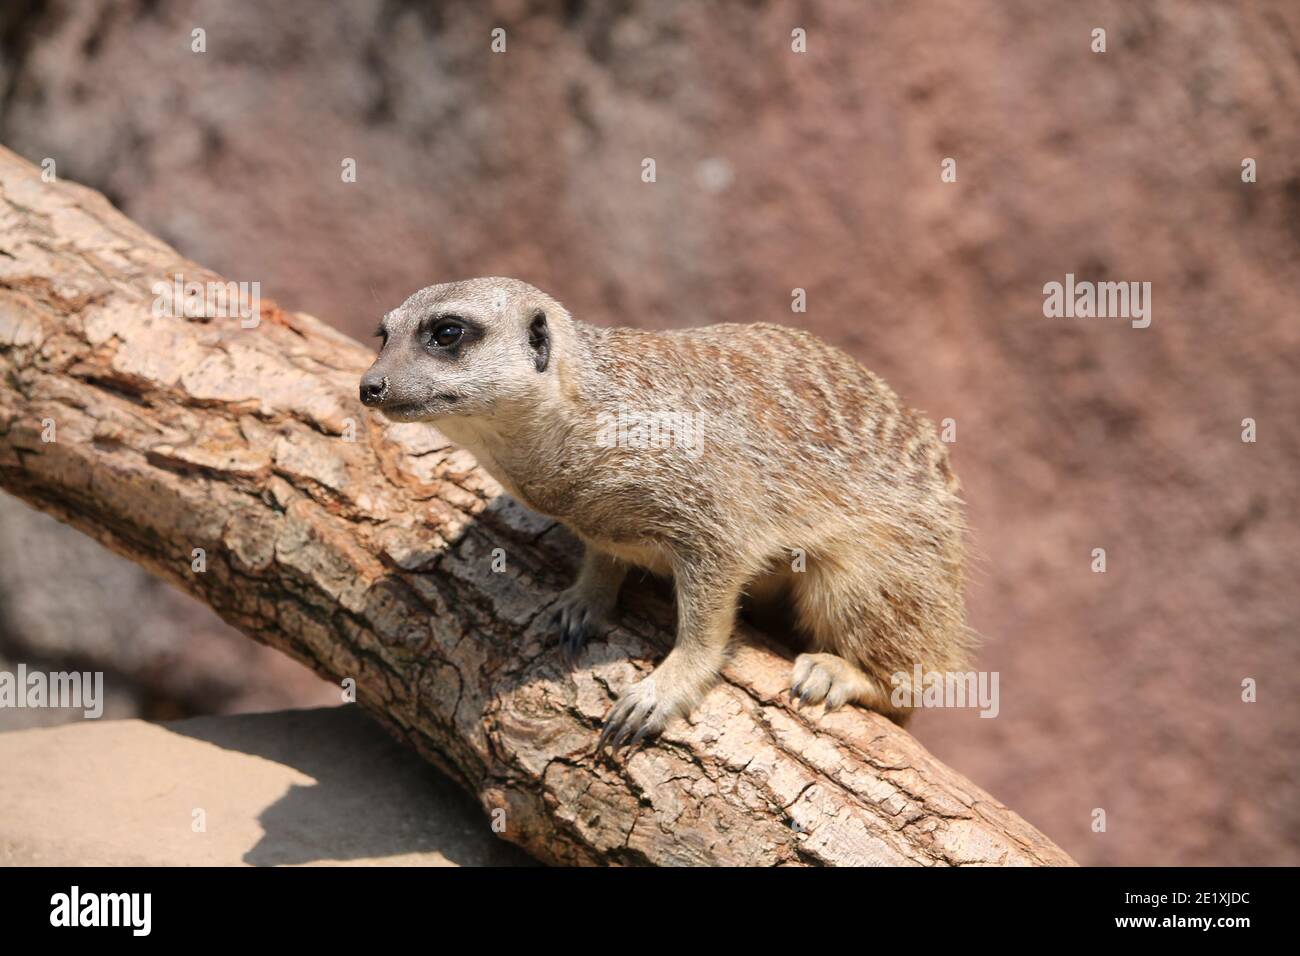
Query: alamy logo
1102, 300
636, 428
76, 690
103, 909
946, 689
208, 300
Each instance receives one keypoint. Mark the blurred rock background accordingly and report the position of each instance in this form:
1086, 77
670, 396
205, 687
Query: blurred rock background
776, 171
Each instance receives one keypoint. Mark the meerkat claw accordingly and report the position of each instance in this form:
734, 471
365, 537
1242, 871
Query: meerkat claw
609, 733
620, 722
575, 623
572, 625
636, 716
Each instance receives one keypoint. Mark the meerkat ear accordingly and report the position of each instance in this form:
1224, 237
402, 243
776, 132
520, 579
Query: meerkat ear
539, 340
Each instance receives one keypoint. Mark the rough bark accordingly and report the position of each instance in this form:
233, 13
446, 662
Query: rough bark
366, 550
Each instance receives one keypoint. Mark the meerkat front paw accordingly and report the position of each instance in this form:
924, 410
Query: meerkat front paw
578, 615
642, 712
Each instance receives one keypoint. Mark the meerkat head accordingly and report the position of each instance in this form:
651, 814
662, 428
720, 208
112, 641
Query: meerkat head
472, 348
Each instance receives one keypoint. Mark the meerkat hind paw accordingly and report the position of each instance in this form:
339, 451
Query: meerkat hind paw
827, 678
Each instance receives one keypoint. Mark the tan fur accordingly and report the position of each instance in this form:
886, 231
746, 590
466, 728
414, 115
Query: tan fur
804, 450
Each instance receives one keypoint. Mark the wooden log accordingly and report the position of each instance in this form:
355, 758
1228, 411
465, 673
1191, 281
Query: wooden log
232, 457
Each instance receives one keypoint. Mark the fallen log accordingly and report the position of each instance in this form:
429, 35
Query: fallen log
230, 455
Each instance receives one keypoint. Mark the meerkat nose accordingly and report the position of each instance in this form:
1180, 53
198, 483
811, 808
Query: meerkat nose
373, 390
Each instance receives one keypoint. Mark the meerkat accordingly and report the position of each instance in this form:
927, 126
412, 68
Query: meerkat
742, 460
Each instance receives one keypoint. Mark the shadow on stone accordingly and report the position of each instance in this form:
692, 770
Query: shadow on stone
371, 798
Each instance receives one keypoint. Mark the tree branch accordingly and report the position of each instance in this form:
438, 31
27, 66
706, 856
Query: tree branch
366, 549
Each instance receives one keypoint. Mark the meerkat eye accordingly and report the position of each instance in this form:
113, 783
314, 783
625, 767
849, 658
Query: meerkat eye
447, 333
